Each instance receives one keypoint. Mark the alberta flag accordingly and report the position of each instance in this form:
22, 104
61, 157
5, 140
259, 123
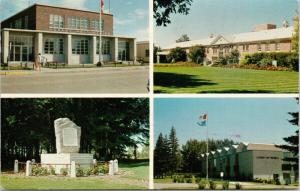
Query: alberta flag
203, 120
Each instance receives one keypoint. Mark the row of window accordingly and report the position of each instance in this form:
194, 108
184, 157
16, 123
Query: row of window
105, 46
57, 21
80, 46
245, 48
21, 23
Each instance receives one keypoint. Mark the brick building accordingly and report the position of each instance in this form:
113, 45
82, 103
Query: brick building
63, 35
263, 38
250, 161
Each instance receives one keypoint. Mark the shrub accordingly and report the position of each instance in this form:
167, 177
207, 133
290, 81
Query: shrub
64, 171
188, 180
88, 172
52, 170
39, 171
79, 172
198, 180
212, 185
265, 62
222, 60
103, 168
202, 185
234, 57
175, 178
284, 59
238, 186
197, 54
193, 179
177, 54
225, 185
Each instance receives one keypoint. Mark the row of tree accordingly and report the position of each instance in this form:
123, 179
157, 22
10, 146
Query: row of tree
108, 126
169, 158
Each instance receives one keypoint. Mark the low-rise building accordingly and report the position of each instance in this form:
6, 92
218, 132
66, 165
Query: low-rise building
143, 53
250, 161
263, 38
63, 35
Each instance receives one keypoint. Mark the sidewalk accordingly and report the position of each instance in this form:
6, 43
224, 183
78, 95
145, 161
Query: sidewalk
69, 70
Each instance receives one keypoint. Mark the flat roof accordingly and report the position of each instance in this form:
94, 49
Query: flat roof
44, 5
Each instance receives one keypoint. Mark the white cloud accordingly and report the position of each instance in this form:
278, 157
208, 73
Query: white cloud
140, 13
120, 21
142, 34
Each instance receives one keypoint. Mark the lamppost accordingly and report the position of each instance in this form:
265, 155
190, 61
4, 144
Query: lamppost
204, 122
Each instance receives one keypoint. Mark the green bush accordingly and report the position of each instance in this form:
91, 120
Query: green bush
103, 168
265, 62
79, 172
64, 171
284, 59
198, 180
39, 171
222, 60
88, 172
212, 185
193, 179
188, 180
177, 54
175, 178
225, 185
52, 170
197, 54
202, 185
238, 186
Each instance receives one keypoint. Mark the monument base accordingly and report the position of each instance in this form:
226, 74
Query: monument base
59, 161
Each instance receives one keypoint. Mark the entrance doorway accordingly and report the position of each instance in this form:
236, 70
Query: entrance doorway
21, 49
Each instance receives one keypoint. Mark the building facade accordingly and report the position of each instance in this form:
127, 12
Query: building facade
143, 52
263, 38
250, 161
63, 35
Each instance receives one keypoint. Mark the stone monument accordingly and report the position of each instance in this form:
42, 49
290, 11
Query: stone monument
67, 135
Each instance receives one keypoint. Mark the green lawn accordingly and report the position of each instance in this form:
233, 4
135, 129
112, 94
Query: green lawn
182, 79
135, 176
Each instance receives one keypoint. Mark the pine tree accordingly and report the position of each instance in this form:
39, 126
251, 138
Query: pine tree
161, 156
175, 156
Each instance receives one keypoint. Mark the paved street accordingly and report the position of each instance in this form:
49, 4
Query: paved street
72, 81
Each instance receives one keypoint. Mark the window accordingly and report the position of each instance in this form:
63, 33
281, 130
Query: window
259, 47
18, 24
26, 22
95, 25
207, 50
215, 50
105, 46
56, 21
267, 47
147, 53
49, 47
53, 46
245, 48
277, 46
80, 46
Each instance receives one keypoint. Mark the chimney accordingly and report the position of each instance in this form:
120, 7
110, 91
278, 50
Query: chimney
263, 27
211, 35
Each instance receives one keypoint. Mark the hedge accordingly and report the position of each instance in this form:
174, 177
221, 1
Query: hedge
284, 59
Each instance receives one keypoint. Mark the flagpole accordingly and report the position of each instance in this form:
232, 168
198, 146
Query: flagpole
207, 148
100, 29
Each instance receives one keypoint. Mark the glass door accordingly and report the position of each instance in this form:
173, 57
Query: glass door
17, 53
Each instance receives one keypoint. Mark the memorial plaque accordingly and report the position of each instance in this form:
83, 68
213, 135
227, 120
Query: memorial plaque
70, 137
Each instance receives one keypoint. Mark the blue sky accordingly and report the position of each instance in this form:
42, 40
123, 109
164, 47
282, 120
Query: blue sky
224, 17
130, 16
257, 120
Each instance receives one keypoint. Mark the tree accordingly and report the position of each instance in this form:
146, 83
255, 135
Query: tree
295, 37
161, 156
183, 38
28, 129
177, 54
197, 54
175, 157
191, 153
234, 57
164, 8
293, 140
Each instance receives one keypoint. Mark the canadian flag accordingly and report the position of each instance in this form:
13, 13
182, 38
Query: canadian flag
102, 6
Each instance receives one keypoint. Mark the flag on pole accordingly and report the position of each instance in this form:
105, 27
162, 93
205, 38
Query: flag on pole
203, 120
102, 6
